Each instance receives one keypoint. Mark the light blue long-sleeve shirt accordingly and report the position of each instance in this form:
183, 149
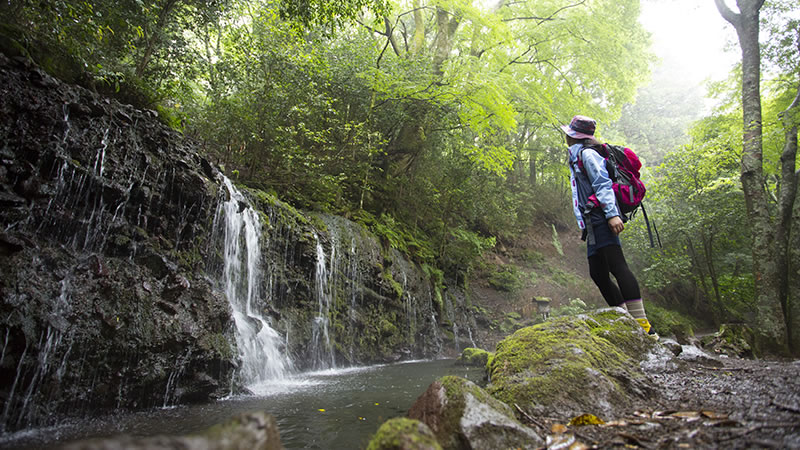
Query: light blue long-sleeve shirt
596, 181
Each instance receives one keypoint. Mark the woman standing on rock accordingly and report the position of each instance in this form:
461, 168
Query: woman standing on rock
604, 250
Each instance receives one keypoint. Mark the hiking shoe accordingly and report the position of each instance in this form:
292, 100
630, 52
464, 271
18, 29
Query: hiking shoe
653, 335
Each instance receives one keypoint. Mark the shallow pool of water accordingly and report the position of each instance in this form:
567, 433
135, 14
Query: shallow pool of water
324, 410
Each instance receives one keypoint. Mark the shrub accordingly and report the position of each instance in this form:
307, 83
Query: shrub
508, 278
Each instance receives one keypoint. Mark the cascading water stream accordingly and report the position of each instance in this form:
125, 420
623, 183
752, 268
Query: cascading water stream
262, 350
321, 348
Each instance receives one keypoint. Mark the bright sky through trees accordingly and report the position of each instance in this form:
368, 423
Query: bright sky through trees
690, 36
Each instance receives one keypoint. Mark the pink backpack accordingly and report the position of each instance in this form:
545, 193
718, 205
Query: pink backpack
623, 167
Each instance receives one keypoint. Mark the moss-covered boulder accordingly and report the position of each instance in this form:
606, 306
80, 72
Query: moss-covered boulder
255, 430
464, 416
574, 365
472, 356
404, 434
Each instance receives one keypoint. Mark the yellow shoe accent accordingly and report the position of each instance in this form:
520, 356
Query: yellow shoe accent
645, 324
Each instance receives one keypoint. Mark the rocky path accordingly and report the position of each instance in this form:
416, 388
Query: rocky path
705, 403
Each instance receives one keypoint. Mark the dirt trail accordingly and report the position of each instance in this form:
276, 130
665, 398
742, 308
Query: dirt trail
708, 403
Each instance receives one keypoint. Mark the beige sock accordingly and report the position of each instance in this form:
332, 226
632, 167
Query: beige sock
636, 308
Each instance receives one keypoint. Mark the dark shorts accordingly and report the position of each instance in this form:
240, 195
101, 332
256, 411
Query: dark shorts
603, 237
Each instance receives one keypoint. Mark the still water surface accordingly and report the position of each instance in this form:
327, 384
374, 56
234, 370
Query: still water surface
335, 409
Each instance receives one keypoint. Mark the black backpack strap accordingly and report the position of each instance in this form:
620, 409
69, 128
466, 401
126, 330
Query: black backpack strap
658, 238
588, 230
649, 232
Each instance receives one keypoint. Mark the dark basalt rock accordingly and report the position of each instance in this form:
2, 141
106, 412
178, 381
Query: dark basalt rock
111, 261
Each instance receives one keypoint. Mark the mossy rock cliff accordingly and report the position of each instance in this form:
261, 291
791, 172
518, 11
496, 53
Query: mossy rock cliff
574, 365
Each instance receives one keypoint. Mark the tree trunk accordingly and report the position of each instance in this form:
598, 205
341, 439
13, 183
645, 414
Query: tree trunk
699, 274
769, 322
418, 39
155, 36
708, 251
793, 303
446, 26
786, 199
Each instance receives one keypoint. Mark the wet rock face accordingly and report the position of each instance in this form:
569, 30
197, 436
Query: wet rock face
573, 365
102, 291
111, 261
464, 416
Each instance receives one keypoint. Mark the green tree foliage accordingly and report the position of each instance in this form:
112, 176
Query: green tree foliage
698, 198
432, 121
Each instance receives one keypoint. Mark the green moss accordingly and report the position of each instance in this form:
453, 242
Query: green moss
396, 287
402, 433
218, 343
388, 328
438, 302
558, 359
471, 356
668, 322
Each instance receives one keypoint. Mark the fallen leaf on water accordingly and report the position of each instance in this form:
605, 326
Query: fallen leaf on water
377, 404
321, 410
715, 415
558, 428
586, 419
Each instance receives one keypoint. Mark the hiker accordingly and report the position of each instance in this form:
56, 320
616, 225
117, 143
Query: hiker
601, 225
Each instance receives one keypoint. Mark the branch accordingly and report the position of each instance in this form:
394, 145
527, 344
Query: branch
540, 19
727, 14
548, 18
370, 28
390, 34
563, 76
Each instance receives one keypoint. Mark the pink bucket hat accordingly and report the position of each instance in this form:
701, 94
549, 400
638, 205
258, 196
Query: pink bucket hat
581, 127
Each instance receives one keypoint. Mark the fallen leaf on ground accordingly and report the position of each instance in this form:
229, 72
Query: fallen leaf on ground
687, 414
714, 415
586, 419
560, 442
616, 423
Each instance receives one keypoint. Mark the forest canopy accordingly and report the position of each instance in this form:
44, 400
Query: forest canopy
434, 122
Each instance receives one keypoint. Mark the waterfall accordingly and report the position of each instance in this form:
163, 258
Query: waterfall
321, 348
262, 350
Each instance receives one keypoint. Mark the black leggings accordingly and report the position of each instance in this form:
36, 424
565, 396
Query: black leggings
609, 259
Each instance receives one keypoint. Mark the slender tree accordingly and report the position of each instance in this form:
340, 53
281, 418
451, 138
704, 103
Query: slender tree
770, 238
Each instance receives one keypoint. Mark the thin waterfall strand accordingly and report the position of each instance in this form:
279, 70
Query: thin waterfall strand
261, 349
